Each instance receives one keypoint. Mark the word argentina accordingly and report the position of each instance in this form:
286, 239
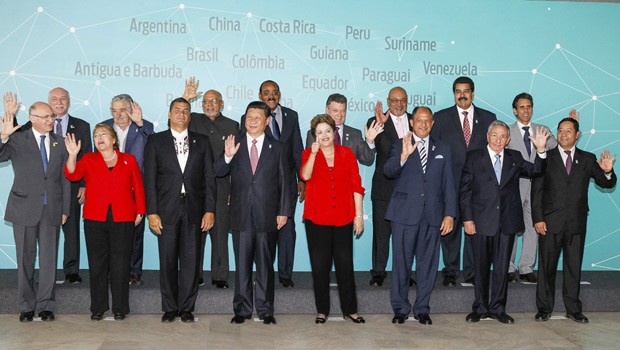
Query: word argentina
150, 27
136, 70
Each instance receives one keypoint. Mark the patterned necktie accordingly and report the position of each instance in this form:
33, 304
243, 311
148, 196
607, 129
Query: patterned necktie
253, 156
498, 168
58, 127
466, 129
569, 162
275, 128
423, 155
526, 140
44, 160
337, 137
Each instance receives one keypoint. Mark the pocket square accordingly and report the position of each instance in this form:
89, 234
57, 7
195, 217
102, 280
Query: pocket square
439, 156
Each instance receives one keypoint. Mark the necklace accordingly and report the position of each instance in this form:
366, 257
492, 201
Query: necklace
109, 159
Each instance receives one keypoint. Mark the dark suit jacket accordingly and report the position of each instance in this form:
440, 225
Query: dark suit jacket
382, 187
25, 204
419, 195
81, 130
217, 131
265, 194
494, 207
448, 128
290, 137
163, 177
561, 200
352, 138
136, 139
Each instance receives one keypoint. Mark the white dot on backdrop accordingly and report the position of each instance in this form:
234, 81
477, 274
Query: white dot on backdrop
548, 8
453, 42
12, 72
181, 6
249, 15
97, 82
365, 217
534, 71
557, 46
594, 98
23, 108
371, 95
72, 29
229, 108
39, 9
156, 124
593, 131
86, 102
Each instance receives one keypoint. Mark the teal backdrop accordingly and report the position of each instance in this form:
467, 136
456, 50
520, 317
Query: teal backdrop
566, 54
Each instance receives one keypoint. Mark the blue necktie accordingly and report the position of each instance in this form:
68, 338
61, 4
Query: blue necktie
498, 168
44, 160
275, 128
526, 140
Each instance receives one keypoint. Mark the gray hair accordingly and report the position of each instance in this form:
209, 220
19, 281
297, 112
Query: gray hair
498, 123
123, 98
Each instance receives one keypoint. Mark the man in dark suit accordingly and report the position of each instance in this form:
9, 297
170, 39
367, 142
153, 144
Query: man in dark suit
217, 127
38, 205
180, 201
284, 127
560, 214
422, 209
260, 206
463, 127
395, 124
520, 131
336, 107
132, 131
490, 206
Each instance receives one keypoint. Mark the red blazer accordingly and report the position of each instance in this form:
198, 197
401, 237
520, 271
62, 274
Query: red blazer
122, 187
329, 191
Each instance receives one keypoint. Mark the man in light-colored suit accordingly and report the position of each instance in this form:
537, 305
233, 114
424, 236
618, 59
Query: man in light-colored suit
336, 107
523, 108
38, 204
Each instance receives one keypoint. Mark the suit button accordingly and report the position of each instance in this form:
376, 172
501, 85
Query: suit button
498, 207
422, 195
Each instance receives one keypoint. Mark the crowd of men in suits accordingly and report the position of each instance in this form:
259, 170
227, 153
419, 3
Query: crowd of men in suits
435, 175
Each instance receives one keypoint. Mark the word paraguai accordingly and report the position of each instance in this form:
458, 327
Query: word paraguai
136, 70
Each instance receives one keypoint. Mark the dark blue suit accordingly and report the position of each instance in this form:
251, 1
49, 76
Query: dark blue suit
255, 202
496, 211
419, 203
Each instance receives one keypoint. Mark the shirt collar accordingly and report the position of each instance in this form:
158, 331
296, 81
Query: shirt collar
179, 135
492, 153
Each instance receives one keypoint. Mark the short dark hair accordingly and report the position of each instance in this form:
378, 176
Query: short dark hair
417, 108
338, 98
259, 105
260, 89
463, 80
321, 118
180, 100
523, 95
572, 120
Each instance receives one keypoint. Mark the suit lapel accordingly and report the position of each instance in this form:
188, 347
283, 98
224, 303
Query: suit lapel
285, 128
456, 125
487, 164
169, 149
264, 155
390, 129
345, 136
507, 167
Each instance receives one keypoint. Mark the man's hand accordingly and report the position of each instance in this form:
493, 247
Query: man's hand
230, 149
607, 161
382, 118
191, 87
574, 114
207, 221
470, 227
136, 114
408, 147
540, 140
447, 224
155, 223
541, 228
81, 195
10, 104
371, 133
64, 219
281, 220
7, 127
301, 191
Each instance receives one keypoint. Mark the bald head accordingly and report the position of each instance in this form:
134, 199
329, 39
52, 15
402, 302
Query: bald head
212, 104
58, 98
397, 101
41, 116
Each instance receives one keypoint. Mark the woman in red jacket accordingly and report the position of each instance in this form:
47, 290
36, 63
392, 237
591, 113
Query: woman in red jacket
333, 210
114, 205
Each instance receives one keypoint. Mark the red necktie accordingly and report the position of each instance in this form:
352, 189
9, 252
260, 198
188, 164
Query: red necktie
337, 136
253, 156
569, 162
466, 128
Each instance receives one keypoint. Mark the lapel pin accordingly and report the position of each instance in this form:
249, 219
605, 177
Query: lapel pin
433, 148
125, 162
476, 121
54, 144
71, 126
269, 145
193, 141
576, 161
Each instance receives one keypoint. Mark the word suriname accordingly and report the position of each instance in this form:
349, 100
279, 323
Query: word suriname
136, 70
403, 44
166, 27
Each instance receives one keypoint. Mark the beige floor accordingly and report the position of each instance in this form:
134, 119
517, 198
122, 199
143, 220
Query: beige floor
449, 331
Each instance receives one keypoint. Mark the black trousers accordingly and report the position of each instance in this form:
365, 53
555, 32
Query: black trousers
137, 255
451, 252
550, 247
286, 245
71, 233
381, 232
109, 252
327, 244
496, 251
219, 243
179, 245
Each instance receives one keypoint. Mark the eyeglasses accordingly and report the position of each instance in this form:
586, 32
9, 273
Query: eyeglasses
398, 100
45, 117
211, 102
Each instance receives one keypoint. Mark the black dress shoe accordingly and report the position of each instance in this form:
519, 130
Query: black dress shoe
26, 316
542, 316
412, 282
287, 282
528, 277
119, 316
169, 316
201, 281
512, 277
46, 316
473, 317
502, 317
96, 316
578, 317
376, 281
358, 319
469, 280
135, 280
320, 319
423, 318
73, 278
269, 320
399, 318
220, 284
449, 281
187, 317
239, 319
